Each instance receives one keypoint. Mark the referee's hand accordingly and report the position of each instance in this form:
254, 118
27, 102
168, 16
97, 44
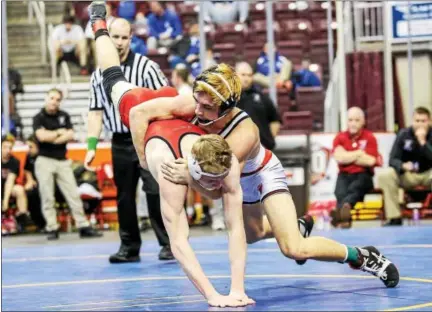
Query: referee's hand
89, 157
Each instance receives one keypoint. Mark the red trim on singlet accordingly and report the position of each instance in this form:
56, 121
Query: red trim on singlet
138, 96
267, 156
171, 131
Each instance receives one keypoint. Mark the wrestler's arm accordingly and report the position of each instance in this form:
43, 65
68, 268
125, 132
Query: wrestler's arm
176, 224
233, 199
156, 109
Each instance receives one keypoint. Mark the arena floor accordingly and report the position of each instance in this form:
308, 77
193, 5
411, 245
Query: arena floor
73, 274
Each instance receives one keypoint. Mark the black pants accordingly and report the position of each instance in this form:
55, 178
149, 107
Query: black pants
126, 174
351, 188
35, 207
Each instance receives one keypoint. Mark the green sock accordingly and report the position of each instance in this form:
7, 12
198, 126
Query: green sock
352, 255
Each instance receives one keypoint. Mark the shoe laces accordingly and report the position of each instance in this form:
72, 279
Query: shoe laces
375, 264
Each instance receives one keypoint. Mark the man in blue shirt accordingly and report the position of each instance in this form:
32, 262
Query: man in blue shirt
262, 70
165, 26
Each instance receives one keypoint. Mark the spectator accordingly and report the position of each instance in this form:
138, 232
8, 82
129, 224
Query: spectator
179, 79
127, 10
31, 186
15, 87
70, 44
53, 129
410, 163
258, 106
209, 60
138, 45
10, 170
186, 51
304, 77
356, 152
165, 26
283, 68
224, 12
79, 10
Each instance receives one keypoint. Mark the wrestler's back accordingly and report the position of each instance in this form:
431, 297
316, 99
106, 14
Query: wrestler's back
166, 140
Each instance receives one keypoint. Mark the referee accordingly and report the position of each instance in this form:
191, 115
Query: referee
142, 72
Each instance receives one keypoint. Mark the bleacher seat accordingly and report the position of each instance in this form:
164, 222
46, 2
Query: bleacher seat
225, 53
285, 10
252, 51
312, 99
187, 13
297, 121
258, 31
231, 33
160, 58
257, 11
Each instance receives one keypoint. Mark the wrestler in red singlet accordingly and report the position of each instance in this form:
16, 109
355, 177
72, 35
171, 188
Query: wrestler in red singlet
170, 131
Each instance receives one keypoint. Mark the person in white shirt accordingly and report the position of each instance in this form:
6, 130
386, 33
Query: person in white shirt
179, 79
70, 43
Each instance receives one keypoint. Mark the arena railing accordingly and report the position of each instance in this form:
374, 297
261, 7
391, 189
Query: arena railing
368, 21
37, 9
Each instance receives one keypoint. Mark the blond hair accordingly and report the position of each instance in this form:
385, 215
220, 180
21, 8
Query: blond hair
223, 79
213, 153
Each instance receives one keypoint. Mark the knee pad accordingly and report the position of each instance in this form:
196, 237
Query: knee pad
111, 77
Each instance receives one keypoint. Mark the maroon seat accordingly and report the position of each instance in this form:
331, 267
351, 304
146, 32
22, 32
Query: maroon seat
252, 51
231, 33
258, 31
285, 11
257, 11
292, 50
187, 13
160, 59
297, 121
225, 52
312, 99
299, 29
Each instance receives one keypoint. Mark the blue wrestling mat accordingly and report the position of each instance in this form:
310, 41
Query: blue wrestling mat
79, 278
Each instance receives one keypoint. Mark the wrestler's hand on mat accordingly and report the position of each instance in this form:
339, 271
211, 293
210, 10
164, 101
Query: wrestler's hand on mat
176, 171
224, 301
241, 296
90, 155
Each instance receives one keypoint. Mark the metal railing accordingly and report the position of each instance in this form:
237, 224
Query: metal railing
37, 9
368, 21
331, 101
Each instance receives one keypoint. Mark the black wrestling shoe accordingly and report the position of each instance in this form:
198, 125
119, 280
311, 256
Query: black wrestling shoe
89, 232
124, 255
53, 235
373, 262
97, 11
305, 225
166, 253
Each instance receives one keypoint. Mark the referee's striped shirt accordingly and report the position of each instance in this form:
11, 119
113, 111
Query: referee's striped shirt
138, 70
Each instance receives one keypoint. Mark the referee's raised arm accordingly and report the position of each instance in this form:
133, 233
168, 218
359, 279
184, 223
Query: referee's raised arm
142, 72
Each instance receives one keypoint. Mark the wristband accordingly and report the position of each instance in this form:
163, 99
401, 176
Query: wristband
92, 143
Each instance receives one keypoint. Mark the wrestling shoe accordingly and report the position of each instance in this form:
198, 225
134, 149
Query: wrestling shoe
373, 262
97, 13
305, 225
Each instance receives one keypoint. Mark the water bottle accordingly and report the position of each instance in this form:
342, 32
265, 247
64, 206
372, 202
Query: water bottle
416, 216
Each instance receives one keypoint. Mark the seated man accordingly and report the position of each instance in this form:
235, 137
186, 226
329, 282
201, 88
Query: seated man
224, 12
70, 43
356, 152
9, 188
283, 70
304, 77
410, 163
211, 165
165, 26
31, 186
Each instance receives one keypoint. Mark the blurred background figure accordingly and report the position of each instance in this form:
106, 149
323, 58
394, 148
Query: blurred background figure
31, 185
356, 152
223, 12
180, 78
70, 44
410, 163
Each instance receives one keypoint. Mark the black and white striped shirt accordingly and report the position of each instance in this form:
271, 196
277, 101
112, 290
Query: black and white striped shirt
138, 70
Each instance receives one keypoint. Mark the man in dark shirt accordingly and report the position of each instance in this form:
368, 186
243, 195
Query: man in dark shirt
53, 129
10, 170
410, 163
258, 106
